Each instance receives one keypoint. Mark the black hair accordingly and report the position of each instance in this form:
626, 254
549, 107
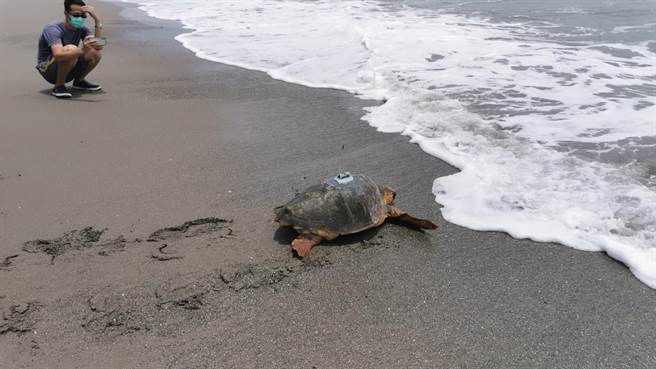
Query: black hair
68, 3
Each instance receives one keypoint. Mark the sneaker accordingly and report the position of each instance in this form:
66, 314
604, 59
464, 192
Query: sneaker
61, 92
86, 86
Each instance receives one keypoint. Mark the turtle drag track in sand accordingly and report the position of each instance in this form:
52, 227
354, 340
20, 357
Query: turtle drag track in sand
153, 306
106, 313
181, 302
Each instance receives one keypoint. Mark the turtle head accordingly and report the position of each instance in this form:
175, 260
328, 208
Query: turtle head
282, 215
388, 194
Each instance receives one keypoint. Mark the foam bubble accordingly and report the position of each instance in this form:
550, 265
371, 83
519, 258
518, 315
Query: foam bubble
624, 29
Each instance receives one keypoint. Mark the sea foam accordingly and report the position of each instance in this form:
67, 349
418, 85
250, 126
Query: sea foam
529, 121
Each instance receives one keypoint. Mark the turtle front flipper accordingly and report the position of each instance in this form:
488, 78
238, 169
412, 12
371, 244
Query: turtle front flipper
304, 243
408, 220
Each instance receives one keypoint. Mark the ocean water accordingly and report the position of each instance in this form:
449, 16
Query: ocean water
548, 108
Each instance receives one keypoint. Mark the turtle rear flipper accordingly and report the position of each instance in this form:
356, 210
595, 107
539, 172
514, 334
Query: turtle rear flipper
408, 220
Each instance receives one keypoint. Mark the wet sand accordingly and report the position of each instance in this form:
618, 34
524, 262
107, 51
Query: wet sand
175, 170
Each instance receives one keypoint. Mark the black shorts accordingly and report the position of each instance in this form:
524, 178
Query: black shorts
49, 70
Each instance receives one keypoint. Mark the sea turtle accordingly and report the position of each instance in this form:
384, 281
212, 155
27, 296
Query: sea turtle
341, 205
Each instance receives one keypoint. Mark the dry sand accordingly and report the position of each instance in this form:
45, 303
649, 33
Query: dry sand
174, 139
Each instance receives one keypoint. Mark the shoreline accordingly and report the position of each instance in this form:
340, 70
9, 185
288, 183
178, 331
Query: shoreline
176, 138
533, 224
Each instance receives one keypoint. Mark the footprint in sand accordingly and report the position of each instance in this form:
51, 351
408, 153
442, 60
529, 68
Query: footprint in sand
187, 295
73, 240
162, 253
116, 314
7, 264
20, 318
194, 228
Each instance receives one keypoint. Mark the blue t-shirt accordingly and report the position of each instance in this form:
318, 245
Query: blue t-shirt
57, 33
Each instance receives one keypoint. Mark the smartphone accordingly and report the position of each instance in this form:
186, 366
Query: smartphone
100, 41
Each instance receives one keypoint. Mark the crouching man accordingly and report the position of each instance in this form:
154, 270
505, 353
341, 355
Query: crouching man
61, 59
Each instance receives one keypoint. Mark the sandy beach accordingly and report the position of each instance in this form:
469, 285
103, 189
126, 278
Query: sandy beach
153, 201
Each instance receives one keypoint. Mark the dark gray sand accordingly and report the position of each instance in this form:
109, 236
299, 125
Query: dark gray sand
176, 169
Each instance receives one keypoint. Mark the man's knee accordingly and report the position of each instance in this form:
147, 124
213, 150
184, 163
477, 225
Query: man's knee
68, 58
93, 56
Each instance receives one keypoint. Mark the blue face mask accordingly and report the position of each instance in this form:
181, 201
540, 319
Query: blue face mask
77, 22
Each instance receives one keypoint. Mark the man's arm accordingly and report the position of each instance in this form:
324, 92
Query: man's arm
98, 24
71, 51
52, 35
59, 51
